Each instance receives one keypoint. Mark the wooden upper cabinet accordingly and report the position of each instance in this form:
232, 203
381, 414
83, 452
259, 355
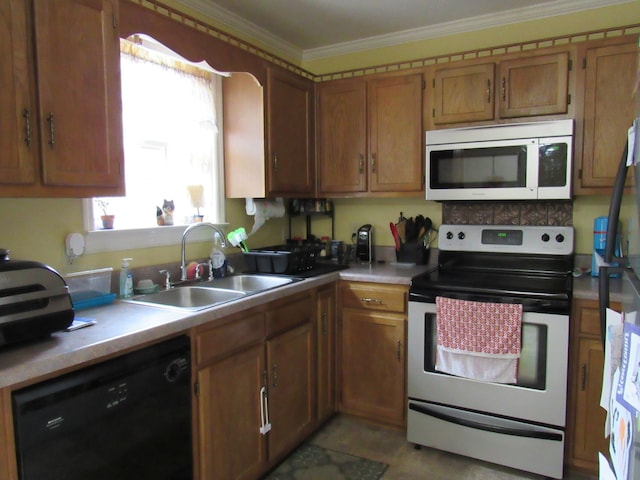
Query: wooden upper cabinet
290, 165
70, 142
268, 135
609, 109
370, 134
17, 141
464, 94
342, 137
395, 134
526, 86
536, 85
79, 92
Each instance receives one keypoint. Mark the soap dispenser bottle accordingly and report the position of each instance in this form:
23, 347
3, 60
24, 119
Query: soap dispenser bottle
218, 260
126, 279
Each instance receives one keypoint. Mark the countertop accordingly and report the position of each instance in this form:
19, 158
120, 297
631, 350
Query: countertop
124, 326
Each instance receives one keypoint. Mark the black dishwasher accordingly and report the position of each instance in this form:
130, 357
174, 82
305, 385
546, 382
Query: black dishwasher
125, 418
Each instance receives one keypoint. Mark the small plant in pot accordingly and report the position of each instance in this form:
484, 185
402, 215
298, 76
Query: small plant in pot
107, 219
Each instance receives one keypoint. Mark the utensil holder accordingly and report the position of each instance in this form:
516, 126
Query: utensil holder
413, 253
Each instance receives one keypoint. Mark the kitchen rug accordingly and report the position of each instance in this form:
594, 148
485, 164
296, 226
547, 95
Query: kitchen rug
310, 462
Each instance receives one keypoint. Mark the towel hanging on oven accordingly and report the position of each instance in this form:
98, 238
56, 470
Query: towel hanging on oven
478, 340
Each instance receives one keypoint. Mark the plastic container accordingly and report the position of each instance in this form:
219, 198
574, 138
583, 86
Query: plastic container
90, 288
282, 259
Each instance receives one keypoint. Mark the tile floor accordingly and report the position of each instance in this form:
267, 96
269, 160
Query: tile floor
365, 439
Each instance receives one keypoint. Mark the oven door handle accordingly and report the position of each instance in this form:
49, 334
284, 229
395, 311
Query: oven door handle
518, 432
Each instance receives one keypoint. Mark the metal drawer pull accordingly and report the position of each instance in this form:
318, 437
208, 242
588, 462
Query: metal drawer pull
398, 349
52, 138
371, 300
488, 91
27, 127
274, 374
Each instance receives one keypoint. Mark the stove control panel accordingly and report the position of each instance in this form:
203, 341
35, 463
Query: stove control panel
547, 240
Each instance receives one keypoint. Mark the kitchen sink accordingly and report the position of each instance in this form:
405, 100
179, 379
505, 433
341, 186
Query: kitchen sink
188, 298
247, 283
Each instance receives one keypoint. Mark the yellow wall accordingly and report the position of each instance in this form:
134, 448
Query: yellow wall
590, 20
35, 229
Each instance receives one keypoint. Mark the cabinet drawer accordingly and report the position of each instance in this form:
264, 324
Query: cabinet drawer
374, 296
589, 315
242, 330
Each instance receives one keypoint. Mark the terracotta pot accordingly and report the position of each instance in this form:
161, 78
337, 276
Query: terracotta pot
107, 221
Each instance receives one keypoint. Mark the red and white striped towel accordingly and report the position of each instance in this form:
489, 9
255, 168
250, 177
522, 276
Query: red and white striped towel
478, 340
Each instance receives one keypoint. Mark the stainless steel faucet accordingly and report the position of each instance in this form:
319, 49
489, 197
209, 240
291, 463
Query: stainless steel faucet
187, 231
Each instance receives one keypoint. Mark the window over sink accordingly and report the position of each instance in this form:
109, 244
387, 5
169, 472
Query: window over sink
173, 154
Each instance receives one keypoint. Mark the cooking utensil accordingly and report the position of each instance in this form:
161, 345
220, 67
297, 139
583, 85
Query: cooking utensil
396, 236
401, 227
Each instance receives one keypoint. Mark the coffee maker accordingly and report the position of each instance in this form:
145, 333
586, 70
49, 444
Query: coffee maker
364, 243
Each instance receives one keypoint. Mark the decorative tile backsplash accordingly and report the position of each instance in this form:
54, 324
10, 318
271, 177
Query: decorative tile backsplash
556, 212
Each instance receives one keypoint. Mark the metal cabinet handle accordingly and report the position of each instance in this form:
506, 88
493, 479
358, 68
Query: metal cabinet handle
361, 164
373, 163
504, 89
275, 162
27, 127
488, 90
371, 300
583, 375
398, 349
324, 323
52, 138
274, 375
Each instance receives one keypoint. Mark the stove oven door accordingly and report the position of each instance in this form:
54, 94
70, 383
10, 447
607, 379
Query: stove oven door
540, 393
517, 425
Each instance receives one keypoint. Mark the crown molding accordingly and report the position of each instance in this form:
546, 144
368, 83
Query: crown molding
230, 19
282, 47
560, 7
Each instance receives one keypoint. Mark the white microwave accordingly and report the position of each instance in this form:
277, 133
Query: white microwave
522, 161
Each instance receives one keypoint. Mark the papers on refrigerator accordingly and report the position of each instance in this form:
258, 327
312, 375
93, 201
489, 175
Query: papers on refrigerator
612, 355
628, 389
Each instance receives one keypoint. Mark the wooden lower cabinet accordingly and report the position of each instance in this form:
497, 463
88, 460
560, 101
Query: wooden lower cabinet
261, 360
373, 352
586, 419
326, 352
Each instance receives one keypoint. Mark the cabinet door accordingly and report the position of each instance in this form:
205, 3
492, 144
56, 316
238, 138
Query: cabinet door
464, 94
535, 85
290, 165
291, 389
18, 140
588, 436
326, 339
395, 134
229, 417
343, 137
79, 92
373, 365
609, 110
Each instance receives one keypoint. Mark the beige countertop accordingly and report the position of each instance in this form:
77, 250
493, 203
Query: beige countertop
123, 326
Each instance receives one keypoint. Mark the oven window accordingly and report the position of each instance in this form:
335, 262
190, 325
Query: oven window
503, 167
532, 366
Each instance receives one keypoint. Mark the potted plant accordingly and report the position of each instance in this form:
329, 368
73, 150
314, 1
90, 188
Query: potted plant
107, 219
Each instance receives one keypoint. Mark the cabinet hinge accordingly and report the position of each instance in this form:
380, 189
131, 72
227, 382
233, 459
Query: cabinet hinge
424, 179
196, 389
115, 22
424, 84
433, 83
433, 113
580, 174
570, 64
584, 63
569, 99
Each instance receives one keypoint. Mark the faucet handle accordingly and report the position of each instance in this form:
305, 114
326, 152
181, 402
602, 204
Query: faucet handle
167, 280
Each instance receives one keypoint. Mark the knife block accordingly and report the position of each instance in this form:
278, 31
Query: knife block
414, 252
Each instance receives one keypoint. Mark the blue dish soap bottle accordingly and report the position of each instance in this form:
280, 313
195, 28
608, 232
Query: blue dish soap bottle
126, 279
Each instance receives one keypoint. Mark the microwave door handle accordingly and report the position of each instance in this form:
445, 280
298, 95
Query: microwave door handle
614, 207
